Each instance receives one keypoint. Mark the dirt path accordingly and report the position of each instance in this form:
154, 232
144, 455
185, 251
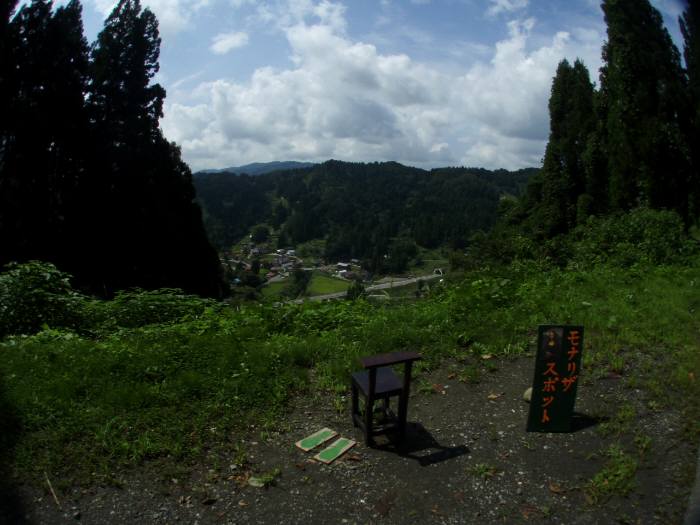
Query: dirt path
467, 459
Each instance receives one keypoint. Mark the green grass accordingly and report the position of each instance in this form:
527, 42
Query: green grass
322, 284
115, 394
483, 471
274, 289
616, 478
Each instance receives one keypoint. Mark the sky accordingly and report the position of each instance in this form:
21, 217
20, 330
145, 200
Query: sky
427, 83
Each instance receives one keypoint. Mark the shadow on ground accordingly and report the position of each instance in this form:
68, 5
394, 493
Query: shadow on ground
583, 421
421, 446
11, 508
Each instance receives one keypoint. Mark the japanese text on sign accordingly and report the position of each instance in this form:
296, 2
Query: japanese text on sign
557, 369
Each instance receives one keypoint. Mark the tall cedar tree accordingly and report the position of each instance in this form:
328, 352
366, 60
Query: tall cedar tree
43, 130
87, 180
7, 8
150, 232
596, 199
690, 28
646, 110
556, 191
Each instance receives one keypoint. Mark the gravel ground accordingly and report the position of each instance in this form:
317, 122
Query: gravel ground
466, 459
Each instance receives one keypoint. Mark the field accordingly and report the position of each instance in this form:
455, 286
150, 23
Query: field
274, 289
322, 284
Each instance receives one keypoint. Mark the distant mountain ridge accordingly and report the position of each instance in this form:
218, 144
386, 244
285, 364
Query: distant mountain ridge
260, 168
366, 211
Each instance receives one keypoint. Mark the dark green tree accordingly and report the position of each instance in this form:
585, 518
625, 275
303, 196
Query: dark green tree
690, 28
260, 233
562, 180
596, 199
7, 8
125, 105
300, 283
646, 110
43, 133
150, 232
356, 290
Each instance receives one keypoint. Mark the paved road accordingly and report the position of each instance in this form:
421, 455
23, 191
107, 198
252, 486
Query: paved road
393, 284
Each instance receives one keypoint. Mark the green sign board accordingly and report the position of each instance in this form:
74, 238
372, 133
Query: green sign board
557, 373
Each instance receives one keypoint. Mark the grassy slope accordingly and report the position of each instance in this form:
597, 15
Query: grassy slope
322, 284
89, 404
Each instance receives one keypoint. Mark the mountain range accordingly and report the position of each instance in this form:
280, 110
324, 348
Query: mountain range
260, 168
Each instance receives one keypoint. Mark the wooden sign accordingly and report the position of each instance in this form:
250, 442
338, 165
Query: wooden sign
557, 372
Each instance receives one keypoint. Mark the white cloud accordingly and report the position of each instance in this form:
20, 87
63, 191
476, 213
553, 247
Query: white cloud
287, 13
225, 42
173, 15
505, 6
189, 78
345, 99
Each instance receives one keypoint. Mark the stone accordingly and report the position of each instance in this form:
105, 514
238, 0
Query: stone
527, 396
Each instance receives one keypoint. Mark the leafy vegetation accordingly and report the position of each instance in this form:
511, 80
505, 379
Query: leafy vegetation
87, 179
616, 478
363, 211
163, 374
88, 385
628, 144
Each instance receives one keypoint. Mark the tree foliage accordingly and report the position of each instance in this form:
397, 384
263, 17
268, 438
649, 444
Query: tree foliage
87, 179
554, 195
690, 28
646, 110
629, 144
35, 294
359, 210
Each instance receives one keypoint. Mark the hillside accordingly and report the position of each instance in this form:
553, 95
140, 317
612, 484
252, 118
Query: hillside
258, 168
360, 210
180, 400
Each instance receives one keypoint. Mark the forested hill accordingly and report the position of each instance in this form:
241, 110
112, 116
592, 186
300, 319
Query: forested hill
259, 168
359, 209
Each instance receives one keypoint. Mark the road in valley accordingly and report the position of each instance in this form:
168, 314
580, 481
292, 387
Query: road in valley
394, 283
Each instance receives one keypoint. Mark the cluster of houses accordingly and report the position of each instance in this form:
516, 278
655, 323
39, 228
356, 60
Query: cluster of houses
281, 262
350, 270
284, 261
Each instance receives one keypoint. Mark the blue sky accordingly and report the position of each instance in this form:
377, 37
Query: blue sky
424, 82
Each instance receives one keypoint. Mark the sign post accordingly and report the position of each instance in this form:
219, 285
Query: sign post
557, 371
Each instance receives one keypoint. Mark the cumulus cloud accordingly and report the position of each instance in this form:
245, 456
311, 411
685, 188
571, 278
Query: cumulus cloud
346, 99
505, 6
173, 15
225, 42
288, 13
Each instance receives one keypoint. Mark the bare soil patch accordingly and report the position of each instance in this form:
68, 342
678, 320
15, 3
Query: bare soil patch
466, 459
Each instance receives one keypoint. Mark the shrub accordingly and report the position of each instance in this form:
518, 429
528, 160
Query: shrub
642, 235
35, 294
134, 308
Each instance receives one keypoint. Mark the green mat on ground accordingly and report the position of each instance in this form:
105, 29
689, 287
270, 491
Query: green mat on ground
316, 439
335, 450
